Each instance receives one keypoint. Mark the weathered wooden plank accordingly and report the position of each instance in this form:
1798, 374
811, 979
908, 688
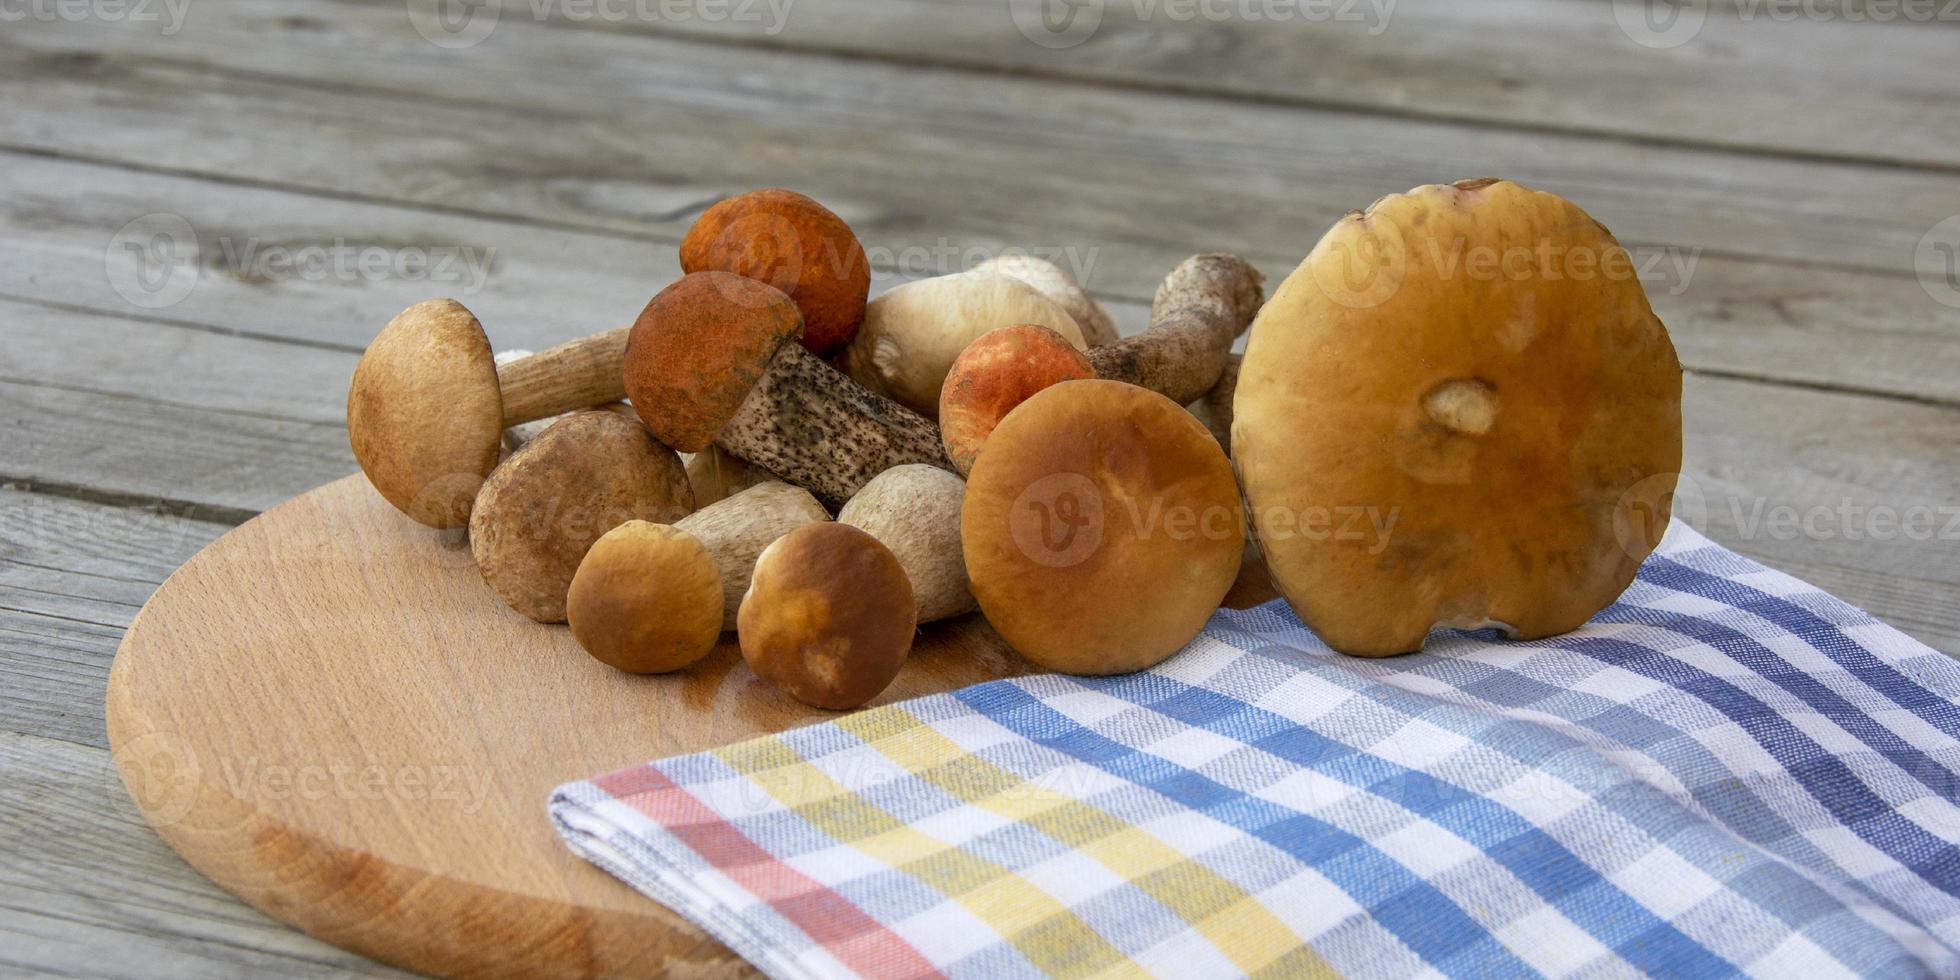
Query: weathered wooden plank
89, 890
136, 447
1762, 319
1536, 64
899, 148
72, 575
531, 286
1859, 495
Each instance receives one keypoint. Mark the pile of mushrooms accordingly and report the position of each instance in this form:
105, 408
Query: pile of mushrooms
986, 440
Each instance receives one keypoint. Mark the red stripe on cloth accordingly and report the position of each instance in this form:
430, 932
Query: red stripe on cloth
836, 923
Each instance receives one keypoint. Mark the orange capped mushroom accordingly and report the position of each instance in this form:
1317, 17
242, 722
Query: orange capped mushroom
995, 373
794, 244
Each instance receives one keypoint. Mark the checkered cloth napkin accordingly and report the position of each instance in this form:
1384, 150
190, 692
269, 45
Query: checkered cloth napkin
1727, 771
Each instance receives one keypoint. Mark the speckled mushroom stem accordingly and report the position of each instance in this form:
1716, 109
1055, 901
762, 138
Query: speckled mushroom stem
1200, 309
570, 376
815, 428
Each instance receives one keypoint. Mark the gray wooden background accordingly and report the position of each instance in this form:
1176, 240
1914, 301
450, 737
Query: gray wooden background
207, 207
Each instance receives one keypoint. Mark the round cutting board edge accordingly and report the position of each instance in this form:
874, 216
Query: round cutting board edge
261, 689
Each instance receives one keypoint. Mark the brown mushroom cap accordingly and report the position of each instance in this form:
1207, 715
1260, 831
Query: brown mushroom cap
698, 348
794, 244
646, 599
1470, 379
543, 508
1101, 527
996, 372
829, 616
424, 412
736, 529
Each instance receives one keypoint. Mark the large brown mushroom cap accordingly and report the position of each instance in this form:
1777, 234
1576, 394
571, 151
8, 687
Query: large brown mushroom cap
697, 350
544, 506
829, 616
1449, 414
794, 244
646, 599
424, 413
1101, 527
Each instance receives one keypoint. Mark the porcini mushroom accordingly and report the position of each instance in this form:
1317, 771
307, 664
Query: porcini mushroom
651, 598
517, 435
1054, 282
428, 405
542, 508
735, 530
829, 616
794, 244
912, 333
1200, 309
708, 362
646, 599
915, 511
1101, 528
1487, 419
996, 372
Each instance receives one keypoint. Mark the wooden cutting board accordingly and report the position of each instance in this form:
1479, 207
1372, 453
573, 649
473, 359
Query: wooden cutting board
329, 714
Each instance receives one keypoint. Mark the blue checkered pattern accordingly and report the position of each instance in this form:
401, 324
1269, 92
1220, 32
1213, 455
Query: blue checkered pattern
1728, 771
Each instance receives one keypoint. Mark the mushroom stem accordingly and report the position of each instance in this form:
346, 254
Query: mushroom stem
570, 376
915, 511
1200, 309
1215, 408
814, 427
736, 529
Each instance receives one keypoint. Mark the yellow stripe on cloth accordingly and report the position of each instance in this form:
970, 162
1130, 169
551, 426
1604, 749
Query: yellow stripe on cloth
1048, 933
1241, 928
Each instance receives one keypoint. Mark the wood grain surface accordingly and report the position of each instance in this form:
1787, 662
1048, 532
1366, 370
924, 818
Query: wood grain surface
328, 713
1800, 160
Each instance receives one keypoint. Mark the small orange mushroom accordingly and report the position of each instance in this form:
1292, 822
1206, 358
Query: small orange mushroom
995, 373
